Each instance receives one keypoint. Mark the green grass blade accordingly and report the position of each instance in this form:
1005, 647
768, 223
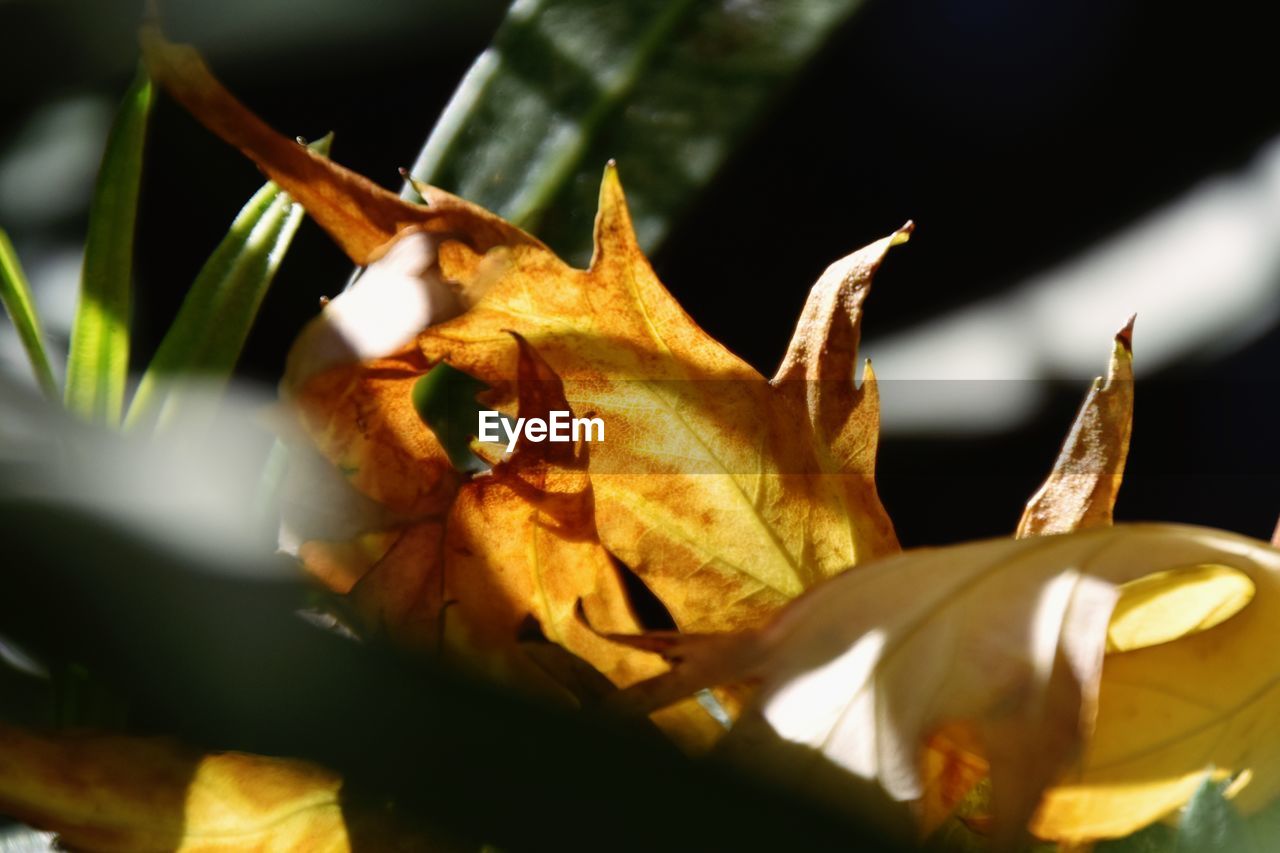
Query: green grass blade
15, 292
206, 339
98, 363
665, 87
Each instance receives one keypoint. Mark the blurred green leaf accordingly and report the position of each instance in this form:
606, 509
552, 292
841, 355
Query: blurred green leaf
1263, 828
206, 339
665, 87
446, 401
15, 293
98, 363
1210, 824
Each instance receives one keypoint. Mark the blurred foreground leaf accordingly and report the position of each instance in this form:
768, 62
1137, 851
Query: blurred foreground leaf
15, 293
116, 793
1210, 824
225, 663
205, 340
665, 88
98, 363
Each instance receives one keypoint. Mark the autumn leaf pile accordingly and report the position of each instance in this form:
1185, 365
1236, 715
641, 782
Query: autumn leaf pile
1032, 683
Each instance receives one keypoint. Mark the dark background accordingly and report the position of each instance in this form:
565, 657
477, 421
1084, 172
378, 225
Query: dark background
1015, 134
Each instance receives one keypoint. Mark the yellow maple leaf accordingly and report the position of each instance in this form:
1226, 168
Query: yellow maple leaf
726, 493
521, 544
729, 495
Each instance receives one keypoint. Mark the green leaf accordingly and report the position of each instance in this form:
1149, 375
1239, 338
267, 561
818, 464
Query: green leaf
98, 363
1210, 824
206, 339
15, 292
665, 87
1263, 828
446, 401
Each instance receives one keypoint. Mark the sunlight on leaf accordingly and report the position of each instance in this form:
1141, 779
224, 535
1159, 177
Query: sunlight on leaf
98, 363
1162, 607
782, 493
1005, 639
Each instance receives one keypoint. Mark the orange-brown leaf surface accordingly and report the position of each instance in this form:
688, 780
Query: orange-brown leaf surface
1081, 490
521, 545
506, 554
1104, 668
727, 494
114, 793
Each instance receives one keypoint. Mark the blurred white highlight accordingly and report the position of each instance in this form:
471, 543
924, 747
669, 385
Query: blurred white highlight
395, 298
191, 490
1203, 276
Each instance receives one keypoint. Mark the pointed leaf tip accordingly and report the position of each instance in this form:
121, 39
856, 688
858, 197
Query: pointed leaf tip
610, 182
615, 238
1081, 490
825, 342
868, 372
1124, 337
98, 356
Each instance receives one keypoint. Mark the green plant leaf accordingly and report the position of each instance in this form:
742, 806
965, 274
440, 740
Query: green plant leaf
1210, 824
445, 398
1263, 828
15, 293
664, 87
206, 339
98, 363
